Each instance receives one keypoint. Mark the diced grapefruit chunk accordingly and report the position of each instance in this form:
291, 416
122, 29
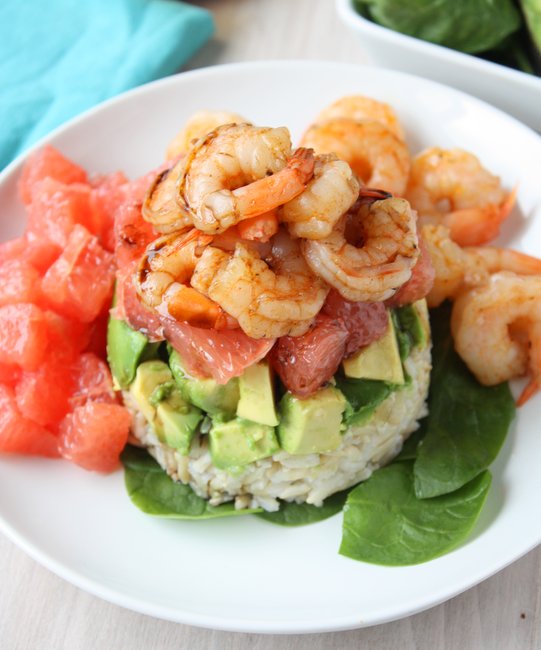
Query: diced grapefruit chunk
80, 283
93, 381
67, 337
94, 435
56, 208
23, 335
19, 435
19, 282
98, 334
107, 195
43, 395
304, 363
48, 162
132, 234
40, 253
421, 281
366, 321
9, 374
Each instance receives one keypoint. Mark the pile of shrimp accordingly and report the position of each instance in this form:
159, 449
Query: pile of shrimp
254, 233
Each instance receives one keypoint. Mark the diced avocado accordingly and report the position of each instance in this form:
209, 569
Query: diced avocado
158, 397
237, 442
421, 309
256, 401
149, 376
126, 348
207, 394
413, 321
311, 425
379, 360
176, 424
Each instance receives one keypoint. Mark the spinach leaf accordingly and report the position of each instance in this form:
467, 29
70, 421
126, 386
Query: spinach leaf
468, 25
532, 13
301, 514
363, 396
384, 522
466, 423
155, 493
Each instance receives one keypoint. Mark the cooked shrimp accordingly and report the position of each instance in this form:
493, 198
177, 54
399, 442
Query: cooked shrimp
272, 298
374, 153
260, 228
159, 205
359, 108
458, 269
197, 126
497, 330
382, 263
450, 186
241, 171
332, 191
163, 277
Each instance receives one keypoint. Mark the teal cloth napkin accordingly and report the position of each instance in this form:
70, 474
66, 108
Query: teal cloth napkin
60, 57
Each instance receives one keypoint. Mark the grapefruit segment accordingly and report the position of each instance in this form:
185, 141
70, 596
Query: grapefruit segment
92, 381
56, 208
43, 395
40, 253
132, 234
94, 435
23, 335
304, 363
19, 282
19, 435
108, 194
421, 281
365, 321
48, 162
67, 337
9, 374
220, 354
80, 283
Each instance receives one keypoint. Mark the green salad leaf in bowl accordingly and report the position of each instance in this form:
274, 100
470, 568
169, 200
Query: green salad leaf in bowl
503, 31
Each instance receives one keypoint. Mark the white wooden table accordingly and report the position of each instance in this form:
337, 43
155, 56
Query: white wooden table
39, 611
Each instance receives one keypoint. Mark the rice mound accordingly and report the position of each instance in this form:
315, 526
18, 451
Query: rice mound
309, 478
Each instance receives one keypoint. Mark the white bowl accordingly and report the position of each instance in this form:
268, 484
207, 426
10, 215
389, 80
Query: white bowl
515, 92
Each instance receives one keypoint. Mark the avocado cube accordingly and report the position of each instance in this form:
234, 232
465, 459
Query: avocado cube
311, 425
177, 423
126, 347
206, 394
237, 442
256, 401
148, 377
379, 360
423, 322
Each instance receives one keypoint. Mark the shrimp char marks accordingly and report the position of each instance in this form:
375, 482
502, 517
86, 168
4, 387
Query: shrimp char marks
279, 249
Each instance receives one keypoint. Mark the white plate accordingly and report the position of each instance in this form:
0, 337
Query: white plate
244, 574
513, 91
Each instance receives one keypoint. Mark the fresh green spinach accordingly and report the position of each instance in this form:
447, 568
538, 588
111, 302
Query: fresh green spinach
385, 523
301, 514
466, 423
532, 14
155, 493
467, 25
363, 397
